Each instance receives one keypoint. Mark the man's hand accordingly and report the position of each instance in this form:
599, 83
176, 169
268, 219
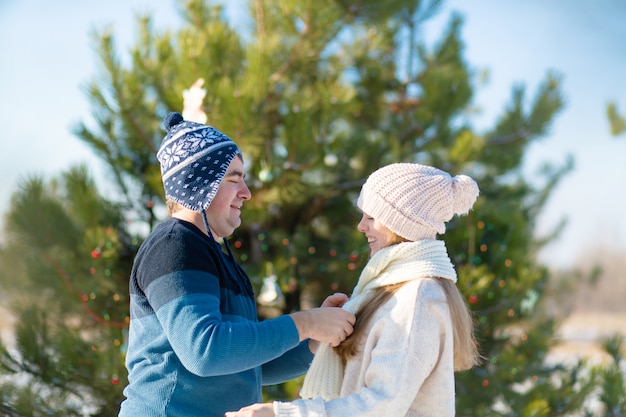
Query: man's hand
325, 324
254, 410
338, 299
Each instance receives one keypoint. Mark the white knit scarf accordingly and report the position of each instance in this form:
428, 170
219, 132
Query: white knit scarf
391, 265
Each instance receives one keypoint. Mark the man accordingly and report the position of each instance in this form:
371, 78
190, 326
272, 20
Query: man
196, 347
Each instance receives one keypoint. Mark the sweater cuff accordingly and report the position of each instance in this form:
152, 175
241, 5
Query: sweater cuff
300, 408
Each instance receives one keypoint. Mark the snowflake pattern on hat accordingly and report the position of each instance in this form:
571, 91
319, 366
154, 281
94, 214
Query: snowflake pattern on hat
194, 158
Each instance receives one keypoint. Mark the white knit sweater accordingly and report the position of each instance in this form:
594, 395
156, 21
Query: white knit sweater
404, 366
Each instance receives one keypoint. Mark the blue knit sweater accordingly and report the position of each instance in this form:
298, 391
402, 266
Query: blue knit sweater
196, 347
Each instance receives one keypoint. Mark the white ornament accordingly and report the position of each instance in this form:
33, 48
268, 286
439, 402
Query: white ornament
330, 160
192, 103
271, 295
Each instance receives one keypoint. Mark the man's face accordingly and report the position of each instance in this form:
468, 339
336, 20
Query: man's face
224, 212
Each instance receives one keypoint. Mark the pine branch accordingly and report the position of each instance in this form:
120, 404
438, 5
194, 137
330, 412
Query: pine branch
82, 296
502, 140
298, 49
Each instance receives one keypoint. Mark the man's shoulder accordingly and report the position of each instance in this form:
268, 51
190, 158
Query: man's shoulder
175, 233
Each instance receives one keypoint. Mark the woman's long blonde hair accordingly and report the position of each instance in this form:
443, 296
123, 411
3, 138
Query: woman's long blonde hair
466, 353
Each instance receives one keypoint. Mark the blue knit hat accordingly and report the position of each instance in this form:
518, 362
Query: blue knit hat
194, 158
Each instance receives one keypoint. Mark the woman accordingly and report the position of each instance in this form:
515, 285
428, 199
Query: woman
413, 328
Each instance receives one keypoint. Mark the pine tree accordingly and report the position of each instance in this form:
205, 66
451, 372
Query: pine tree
318, 94
613, 379
66, 270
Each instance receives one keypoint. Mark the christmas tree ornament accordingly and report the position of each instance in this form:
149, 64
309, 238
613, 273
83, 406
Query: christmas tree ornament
330, 159
192, 102
270, 294
265, 175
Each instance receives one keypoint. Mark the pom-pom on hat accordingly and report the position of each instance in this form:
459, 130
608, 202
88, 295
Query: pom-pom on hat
415, 201
194, 158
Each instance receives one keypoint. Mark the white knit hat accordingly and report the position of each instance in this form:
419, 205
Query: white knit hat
415, 201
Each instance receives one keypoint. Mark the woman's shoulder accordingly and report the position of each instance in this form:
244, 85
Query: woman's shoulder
428, 288
413, 299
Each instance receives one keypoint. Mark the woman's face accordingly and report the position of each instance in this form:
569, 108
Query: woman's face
378, 236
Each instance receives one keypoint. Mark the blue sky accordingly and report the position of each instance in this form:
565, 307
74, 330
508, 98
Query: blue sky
47, 57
